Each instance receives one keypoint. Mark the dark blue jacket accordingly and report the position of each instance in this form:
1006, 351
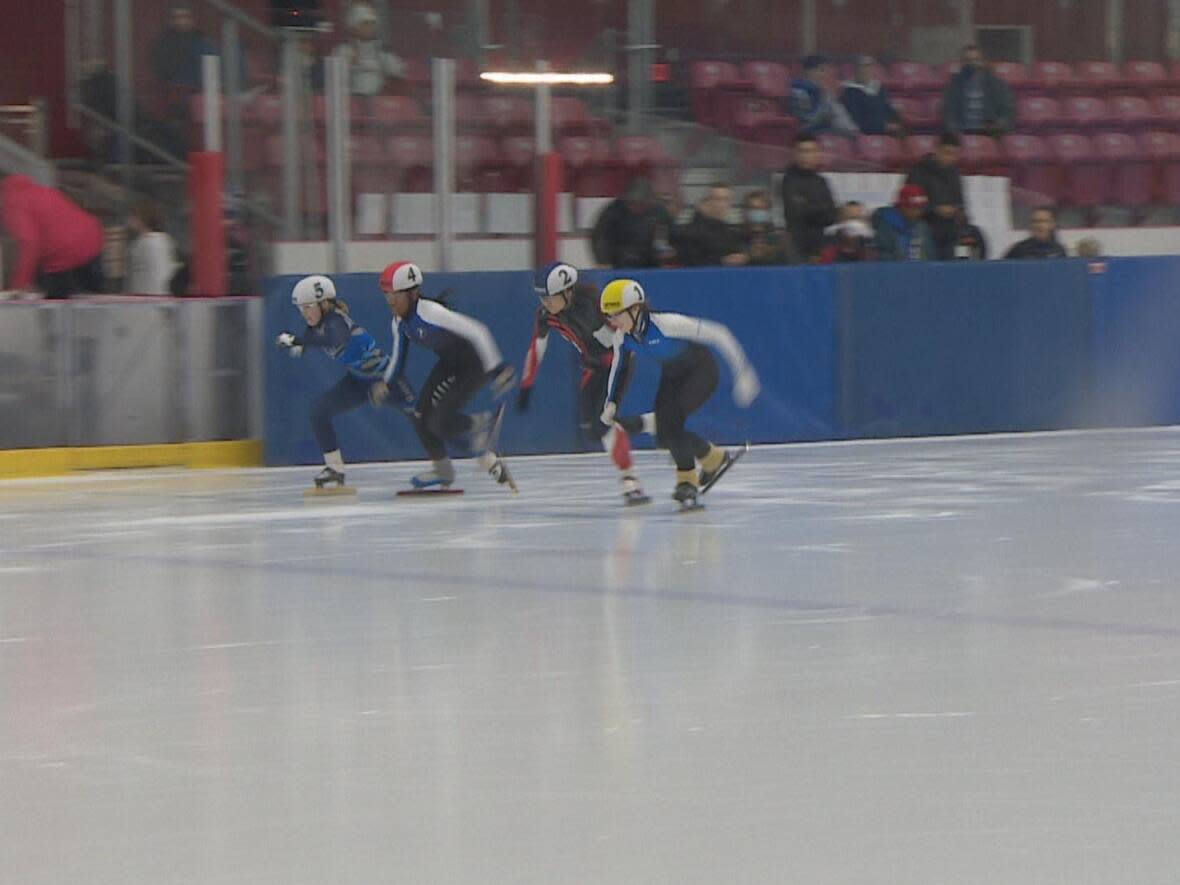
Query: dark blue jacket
898, 240
868, 105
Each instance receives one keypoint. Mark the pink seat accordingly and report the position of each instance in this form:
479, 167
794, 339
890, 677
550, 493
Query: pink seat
1127, 166
641, 152
1168, 107
1086, 112
913, 77
1134, 112
880, 153
762, 120
1145, 76
1162, 149
764, 157
1099, 76
588, 166
919, 114
1035, 176
708, 80
1014, 73
264, 110
1052, 76
477, 164
412, 156
1174, 75
918, 146
570, 115
837, 153
391, 111
506, 113
1036, 113
769, 78
1084, 177
982, 156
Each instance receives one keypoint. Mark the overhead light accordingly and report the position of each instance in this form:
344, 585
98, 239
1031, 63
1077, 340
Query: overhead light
546, 78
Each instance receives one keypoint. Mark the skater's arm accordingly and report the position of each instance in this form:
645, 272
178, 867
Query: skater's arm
397, 358
717, 336
619, 356
333, 334
464, 327
532, 360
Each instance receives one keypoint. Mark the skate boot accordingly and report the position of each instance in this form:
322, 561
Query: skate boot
715, 465
479, 438
329, 478
685, 494
431, 480
633, 494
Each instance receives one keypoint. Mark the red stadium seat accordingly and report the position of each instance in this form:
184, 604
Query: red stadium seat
412, 156
1086, 112
912, 77
264, 110
1168, 107
837, 152
982, 156
1145, 76
570, 116
392, 111
1099, 76
918, 146
762, 120
764, 157
417, 72
1163, 150
1035, 175
1134, 112
919, 114
1036, 113
1015, 74
1084, 179
588, 166
709, 80
506, 113
1052, 76
880, 153
1128, 168
478, 165
769, 78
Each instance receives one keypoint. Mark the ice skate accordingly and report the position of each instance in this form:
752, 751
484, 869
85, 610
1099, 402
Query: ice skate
498, 470
633, 494
709, 477
436, 481
329, 482
686, 494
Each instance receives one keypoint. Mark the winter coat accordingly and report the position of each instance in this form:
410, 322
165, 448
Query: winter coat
999, 109
622, 238
868, 105
808, 208
1034, 248
704, 241
52, 233
898, 240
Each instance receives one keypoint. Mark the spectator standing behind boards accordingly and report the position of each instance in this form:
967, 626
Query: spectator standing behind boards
765, 244
977, 102
1043, 243
867, 102
808, 206
813, 101
902, 233
58, 244
371, 66
177, 52
938, 175
151, 257
709, 239
634, 230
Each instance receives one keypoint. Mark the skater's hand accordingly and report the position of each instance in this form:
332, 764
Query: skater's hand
746, 388
378, 392
522, 399
608, 413
288, 342
503, 378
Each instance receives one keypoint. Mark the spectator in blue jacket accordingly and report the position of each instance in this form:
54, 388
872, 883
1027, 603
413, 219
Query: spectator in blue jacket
813, 101
901, 233
867, 102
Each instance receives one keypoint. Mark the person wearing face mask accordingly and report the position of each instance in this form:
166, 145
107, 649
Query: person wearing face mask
976, 101
709, 239
765, 244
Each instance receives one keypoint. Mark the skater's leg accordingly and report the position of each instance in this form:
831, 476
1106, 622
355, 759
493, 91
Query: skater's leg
454, 386
613, 438
684, 389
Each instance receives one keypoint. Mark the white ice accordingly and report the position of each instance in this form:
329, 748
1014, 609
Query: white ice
912, 662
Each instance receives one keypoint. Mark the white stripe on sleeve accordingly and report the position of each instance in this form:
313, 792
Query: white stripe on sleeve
465, 327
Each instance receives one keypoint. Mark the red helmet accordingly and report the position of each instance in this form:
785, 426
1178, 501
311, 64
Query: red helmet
401, 276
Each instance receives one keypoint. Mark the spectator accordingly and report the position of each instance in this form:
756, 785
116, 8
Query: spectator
151, 257
938, 175
370, 65
1043, 243
853, 210
848, 241
1088, 247
709, 239
901, 232
867, 102
633, 230
977, 102
177, 52
765, 244
58, 245
808, 206
813, 101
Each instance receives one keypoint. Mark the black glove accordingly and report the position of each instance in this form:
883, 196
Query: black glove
522, 399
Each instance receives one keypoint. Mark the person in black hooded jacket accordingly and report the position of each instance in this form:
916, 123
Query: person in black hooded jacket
1043, 243
808, 207
710, 239
938, 175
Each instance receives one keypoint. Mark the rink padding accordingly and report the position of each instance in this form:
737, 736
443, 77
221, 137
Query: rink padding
843, 352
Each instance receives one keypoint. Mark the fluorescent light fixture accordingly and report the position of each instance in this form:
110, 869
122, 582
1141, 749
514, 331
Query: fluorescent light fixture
542, 78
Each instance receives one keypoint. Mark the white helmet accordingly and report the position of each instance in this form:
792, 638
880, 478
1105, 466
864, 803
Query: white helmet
555, 278
401, 276
619, 295
313, 290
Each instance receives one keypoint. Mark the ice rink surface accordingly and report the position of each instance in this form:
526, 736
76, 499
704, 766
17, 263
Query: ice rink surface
918, 662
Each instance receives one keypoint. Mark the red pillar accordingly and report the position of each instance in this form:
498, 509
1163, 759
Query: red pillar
206, 183
549, 184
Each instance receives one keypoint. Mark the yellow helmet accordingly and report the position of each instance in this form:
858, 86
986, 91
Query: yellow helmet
620, 295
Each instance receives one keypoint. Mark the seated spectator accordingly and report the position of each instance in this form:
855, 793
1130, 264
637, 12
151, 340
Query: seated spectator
1088, 247
867, 102
938, 175
58, 245
808, 206
970, 243
371, 67
813, 101
633, 230
853, 210
848, 241
901, 232
709, 238
151, 258
765, 244
1043, 243
977, 102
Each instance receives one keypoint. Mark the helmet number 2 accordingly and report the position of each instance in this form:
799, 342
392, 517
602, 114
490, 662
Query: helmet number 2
565, 277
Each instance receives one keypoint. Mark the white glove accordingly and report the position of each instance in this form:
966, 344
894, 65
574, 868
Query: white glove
503, 378
290, 343
746, 388
608, 413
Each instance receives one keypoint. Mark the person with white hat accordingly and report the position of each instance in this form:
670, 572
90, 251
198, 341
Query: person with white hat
370, 64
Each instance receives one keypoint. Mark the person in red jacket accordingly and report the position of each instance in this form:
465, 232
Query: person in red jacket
58, 244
